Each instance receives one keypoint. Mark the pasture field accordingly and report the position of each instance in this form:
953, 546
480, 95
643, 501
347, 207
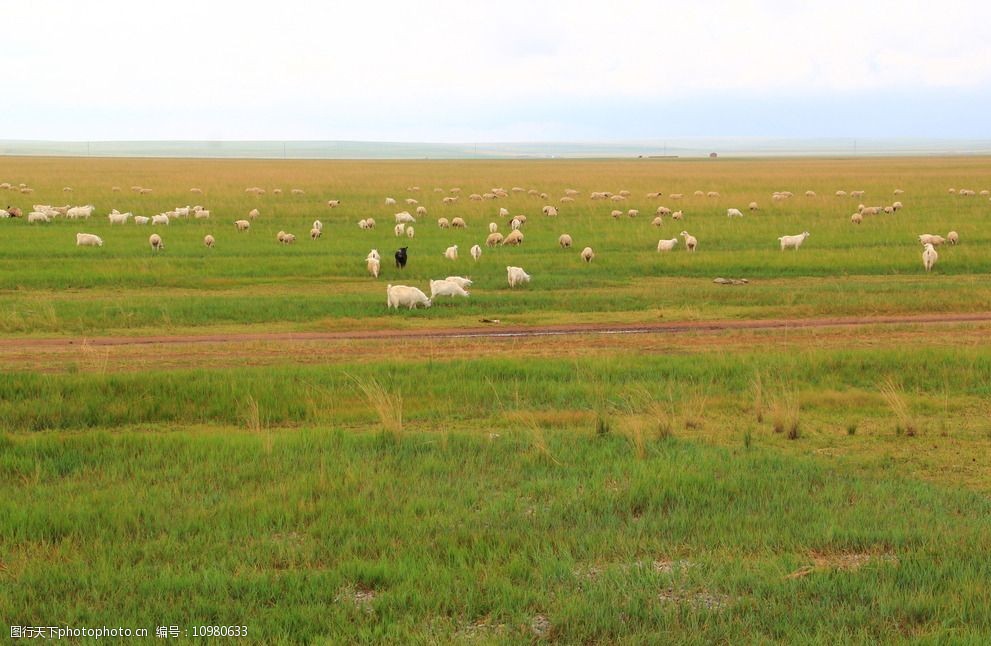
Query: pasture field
247, 436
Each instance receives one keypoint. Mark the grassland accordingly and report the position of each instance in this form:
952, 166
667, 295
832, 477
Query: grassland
816, 485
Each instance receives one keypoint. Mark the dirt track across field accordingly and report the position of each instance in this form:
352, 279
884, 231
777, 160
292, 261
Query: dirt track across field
498, 330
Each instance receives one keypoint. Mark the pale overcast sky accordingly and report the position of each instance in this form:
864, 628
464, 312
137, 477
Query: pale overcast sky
494, 71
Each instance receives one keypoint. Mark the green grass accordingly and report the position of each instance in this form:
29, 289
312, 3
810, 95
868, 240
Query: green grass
449, 533
581, 489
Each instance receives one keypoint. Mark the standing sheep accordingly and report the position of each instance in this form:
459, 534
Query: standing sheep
588, 254
451, 253
476, 252
953, 237
458, 223
514, 239
372, 265
564, 241
493, 227
155, 241
929, 257
794, 241
208, 240
242, 225
410, 232
734, 213
691, 242
88, 240
516, 276
667, 245
402, 296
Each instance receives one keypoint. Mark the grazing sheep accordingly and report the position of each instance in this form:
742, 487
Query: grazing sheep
691, 242
514, 239
667, 245
889, 209
503, 212
856, 194
161, 218
116, 189
118, 218
953, 237
475, 197
363, 224
458, 223
897, 206
389, 201
410, 232
412, 201
676, 196
566, 199
712, 194
369, 223
753, 206
182, 211
521, 218
37, 216
461, 280
14, 211
934, 240
565, 241
515, 224
421, 210
155, 241
493, 227
856, 218
617, 198
662, 210
242, 225
898, 191
373, 265
4, 214
443, 223
404, 217
374, 253
201, 214
678, 215
88, 240
633, 213
616, 214
657, 221
493, 239
451, 253
587, 254
516, 276
446, 288
734, 213
449, 200
929, 257
549, 210
208, 240
80, 212
413, 189
810, 193
317, 224
570, 191
399, 229
315, 233
141, 219
401, 257
402, 296
144, 191
840, 193
455, 190
476, 252
253, 213
333, 203
489, 196
794, 241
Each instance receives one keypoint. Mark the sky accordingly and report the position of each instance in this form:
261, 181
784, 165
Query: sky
463, 71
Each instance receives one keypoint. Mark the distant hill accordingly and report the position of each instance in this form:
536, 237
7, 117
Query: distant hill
700, 147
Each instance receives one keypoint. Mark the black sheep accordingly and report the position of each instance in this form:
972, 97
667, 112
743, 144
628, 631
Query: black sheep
401, 257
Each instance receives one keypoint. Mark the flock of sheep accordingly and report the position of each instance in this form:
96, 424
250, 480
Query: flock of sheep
411, 297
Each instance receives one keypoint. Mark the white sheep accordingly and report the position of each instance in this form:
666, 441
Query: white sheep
421, 210
897, 206
399, 229
514, 239
80, 212
88, 240
657, 221
461, 280
476, 252
369, 223
633, 213
549, 210
362, 224
503, 212
517, 276
443, 223
953, 237
662, 211
493, 227
691, 242
493, 239
201, 214
155, 241
404, 217
753, 206
449, 200
317, 224
411, 201
516, 224
374, 253
667, 245
315, 233
38, 216
616, 214
208, 240
141, 219
389, 201
458, 223
929, 257
161, 218
446, 288
410, 232
587, 254
934, 240
734, 213
794, 241
242, 225
565, 241
678, 215
118, 218
898, 191
403, 296
373, 265
475, 197
810, 193
451, 253
333, 203
181, 211
198, 191
856, 218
